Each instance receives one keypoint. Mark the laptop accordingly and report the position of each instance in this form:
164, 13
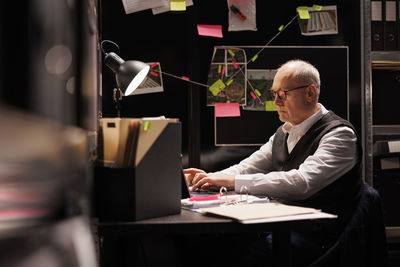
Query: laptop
186, 193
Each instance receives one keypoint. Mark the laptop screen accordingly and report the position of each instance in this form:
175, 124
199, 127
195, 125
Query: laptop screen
185, 187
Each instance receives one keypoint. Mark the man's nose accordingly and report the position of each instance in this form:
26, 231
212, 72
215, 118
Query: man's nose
277, 100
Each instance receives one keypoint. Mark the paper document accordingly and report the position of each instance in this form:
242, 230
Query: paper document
166, 6
258, 211
132, 6
310, 216
394, 146
235, 198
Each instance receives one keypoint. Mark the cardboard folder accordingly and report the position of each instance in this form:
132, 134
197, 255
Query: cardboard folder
152, 186
390, 32
108, 141
124, 142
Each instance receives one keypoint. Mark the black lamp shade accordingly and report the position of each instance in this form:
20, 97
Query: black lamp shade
129, 74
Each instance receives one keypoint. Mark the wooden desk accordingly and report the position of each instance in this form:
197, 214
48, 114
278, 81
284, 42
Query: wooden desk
188, 223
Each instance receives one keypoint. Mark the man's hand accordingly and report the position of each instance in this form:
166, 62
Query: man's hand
190, 173
206, 180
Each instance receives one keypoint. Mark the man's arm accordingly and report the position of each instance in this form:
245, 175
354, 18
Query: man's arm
335, 155
258, 162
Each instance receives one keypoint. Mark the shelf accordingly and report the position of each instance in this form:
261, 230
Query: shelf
393, 234
386, 130
385, 60
385, 55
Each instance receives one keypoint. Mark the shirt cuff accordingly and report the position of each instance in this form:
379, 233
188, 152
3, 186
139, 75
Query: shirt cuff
242, 180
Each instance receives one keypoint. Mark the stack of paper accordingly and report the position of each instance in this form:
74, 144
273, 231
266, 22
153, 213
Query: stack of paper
258, 211
123, 142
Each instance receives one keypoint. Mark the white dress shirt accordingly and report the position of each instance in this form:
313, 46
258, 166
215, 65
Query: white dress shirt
335, 155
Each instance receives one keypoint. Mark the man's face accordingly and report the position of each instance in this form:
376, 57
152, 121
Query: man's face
293, 108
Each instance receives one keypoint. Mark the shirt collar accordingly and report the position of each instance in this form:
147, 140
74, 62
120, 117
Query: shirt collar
307, 123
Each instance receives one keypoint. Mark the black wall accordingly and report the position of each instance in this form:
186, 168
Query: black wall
171, 38
46, 49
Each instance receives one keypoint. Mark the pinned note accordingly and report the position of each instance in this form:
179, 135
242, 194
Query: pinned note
216, 87
231, 52
257, 92
317, 7
254, 58
253, 95
269, 106
229, 82
223, 70
146, 125
185, 78
303, 12
153, 73
281, 28
210, 30
219, 68
227, 110
177, 5
234, 64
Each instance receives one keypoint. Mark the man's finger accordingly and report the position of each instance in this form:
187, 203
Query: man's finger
197, 177
192, 171
203, 180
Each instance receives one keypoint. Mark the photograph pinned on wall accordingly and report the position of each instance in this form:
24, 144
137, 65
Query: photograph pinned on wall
259, 96
227, 76
153, 83
242, 15
320, 20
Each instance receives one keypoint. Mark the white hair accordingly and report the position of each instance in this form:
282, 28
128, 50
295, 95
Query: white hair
303, 72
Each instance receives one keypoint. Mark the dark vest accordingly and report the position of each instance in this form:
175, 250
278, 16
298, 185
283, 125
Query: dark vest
341, 196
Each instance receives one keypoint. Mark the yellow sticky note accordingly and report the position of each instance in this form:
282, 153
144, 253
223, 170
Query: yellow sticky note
177, 5
254, 58
269, 106
219, 68
231, 52
281, 27
317, 7
146, 125
257, 92
303, 12
216, 87
229, 82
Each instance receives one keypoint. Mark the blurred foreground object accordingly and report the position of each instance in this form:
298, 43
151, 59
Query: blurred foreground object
44, 182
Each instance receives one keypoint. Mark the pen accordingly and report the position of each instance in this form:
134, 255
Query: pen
237, 12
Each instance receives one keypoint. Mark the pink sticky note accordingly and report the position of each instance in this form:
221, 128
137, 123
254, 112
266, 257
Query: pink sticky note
234, 64
153, 73
185, 78
227, 110
210, 30
204, 198
253, 95
223, 70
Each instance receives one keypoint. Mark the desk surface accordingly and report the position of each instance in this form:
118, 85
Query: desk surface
193, 223
190, 222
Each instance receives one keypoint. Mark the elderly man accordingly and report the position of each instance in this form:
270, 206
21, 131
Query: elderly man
313, 159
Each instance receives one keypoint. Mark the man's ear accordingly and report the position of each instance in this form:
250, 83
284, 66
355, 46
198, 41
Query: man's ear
311, 93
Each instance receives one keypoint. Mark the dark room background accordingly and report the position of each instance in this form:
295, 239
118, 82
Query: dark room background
171, 38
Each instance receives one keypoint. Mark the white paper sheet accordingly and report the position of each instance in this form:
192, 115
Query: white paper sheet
312, 216
132, 6
166, 7
394, 146
247, 8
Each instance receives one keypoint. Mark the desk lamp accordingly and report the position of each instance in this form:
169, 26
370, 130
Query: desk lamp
128, 74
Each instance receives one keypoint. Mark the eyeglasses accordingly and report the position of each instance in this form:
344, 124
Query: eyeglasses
282, 93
